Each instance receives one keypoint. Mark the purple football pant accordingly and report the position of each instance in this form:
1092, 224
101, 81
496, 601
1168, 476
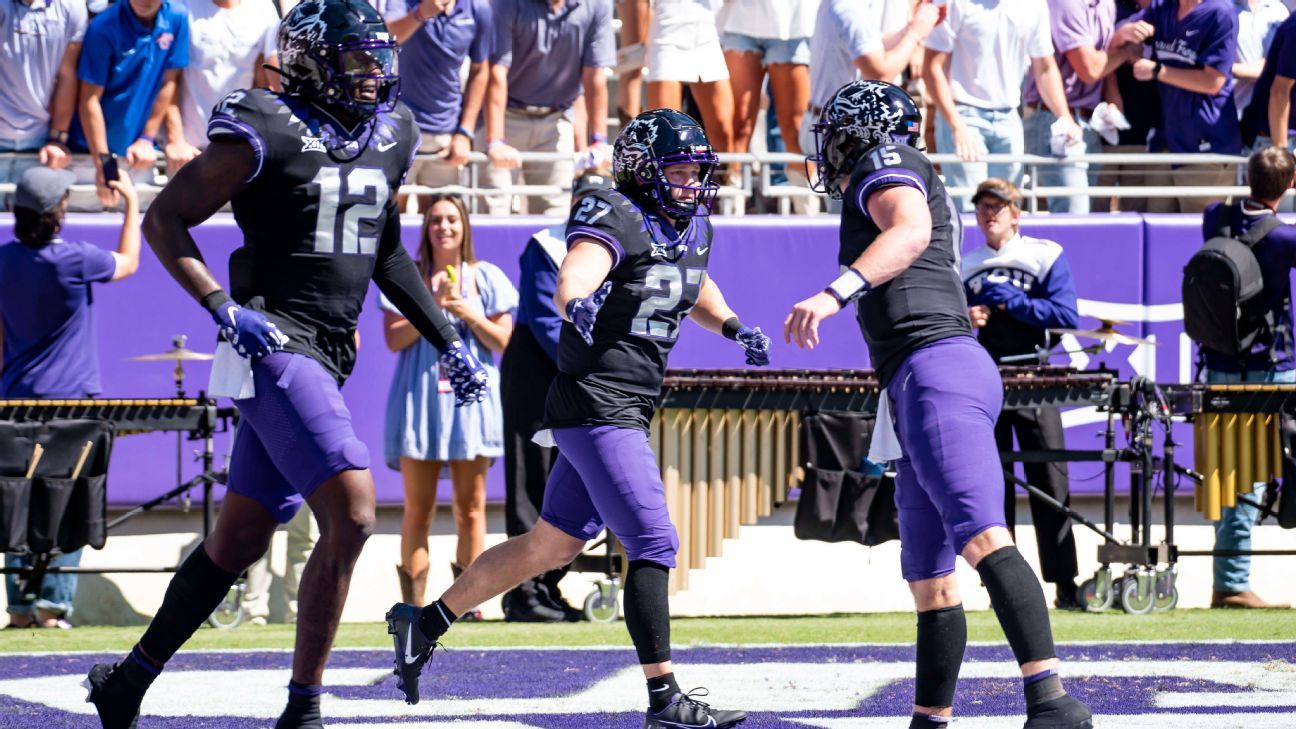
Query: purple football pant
293, 435
608, 475
945, 398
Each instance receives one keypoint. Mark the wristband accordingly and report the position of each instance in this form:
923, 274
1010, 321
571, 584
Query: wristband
599, 138
1156, 71
731, 327
56, 137
471, 137
494, 143
145, 138
215, 301
849, 286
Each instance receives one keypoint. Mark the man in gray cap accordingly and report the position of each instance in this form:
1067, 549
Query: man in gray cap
528, 367
47, 328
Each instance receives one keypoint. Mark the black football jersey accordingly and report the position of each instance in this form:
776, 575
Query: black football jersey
312, 214
925, 303
657, 274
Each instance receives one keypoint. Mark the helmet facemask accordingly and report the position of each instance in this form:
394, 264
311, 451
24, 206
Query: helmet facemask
361, 77
652, 178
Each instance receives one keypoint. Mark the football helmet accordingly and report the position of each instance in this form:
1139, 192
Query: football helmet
653, 141
859, 117
340, 54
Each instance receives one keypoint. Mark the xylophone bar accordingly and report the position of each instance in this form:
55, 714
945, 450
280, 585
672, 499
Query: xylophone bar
126, 414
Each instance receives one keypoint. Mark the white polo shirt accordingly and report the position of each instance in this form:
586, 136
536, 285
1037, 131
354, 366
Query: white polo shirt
991, 44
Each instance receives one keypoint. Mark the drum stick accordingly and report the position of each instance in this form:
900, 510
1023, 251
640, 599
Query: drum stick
37, 452
85, 453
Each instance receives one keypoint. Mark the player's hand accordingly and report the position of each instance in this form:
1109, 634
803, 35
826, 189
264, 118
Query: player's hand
1131, 33
503, 156
467, 376
968, 145
755, 345
250, 333
1143, 69
582, 312
802, 325
141, 155
55, 155
178, 154
979, 315
456, 152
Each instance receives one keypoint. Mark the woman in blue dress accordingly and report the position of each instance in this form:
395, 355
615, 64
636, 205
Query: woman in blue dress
424, 428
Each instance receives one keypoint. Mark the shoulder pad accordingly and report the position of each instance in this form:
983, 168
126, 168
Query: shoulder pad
242, 115
608, 217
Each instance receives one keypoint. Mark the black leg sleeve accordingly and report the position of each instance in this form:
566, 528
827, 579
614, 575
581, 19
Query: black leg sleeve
1019, 604
647, 610
195, 591
942, 639
1042, 429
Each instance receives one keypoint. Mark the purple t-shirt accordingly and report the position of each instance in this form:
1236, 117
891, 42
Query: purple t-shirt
1281, 61
1206, 37
430, 59
1076, 24
45, 302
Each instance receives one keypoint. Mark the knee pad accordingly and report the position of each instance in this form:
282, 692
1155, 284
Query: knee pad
1018, 602
942, 640
659, 547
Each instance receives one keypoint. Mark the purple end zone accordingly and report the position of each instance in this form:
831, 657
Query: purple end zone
488, 675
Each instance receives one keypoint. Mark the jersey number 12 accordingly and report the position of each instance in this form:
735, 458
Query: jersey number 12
368, 184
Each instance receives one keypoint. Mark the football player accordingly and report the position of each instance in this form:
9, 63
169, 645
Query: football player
899, 260
636, 266
311, 174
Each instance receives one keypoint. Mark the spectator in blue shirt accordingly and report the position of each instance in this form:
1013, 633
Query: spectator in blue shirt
1270, 173
436, 36
1018, 288
130, 61
529, 365
47, 326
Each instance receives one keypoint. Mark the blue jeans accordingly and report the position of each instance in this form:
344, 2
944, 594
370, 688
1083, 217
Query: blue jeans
1037, 125
1000, 131
1233, 530
57, 589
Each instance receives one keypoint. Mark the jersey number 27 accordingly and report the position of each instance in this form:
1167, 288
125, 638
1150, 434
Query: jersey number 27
666, 284
335, 191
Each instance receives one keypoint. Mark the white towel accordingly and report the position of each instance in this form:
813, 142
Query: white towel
544, 439
231, 375
1108, 121
884, 446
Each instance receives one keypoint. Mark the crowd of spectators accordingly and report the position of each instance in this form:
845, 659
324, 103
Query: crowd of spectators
129, 83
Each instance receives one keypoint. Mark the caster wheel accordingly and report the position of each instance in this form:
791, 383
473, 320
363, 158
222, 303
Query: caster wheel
1131, 601
1093, 602
229, 613
600, 609
1169, 602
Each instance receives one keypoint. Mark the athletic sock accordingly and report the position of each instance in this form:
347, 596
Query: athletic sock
647, 610
942, 640
303, 710
1042, 687
927, 721
195, 591
662, 690
435, 620
1018, 602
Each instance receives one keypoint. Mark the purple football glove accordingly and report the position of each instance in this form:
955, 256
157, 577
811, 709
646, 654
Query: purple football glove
582, 312
250, 333
755, 345
467, 377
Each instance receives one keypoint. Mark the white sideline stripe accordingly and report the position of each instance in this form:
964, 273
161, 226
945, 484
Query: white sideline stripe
1124, 721
764, 687
688, 646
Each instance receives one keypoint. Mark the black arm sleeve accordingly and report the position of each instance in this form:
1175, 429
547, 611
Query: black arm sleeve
399, 280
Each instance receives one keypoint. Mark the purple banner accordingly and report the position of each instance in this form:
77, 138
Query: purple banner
1126, 267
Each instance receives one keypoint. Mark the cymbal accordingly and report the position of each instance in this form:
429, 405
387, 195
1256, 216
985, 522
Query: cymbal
175, 354
1105, 334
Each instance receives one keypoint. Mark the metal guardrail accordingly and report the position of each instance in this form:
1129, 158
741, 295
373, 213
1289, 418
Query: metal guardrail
757, 168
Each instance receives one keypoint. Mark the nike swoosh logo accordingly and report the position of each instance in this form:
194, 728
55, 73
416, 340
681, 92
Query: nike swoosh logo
387, 146
703, 250
409, 641
659, 690
710, 722
1190, 33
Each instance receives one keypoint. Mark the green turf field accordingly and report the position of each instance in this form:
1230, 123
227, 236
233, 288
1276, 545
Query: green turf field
1181, 625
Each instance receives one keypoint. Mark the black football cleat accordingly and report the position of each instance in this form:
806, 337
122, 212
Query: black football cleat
413, 649
686, 712
296, 717
1064, 712
116, 698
